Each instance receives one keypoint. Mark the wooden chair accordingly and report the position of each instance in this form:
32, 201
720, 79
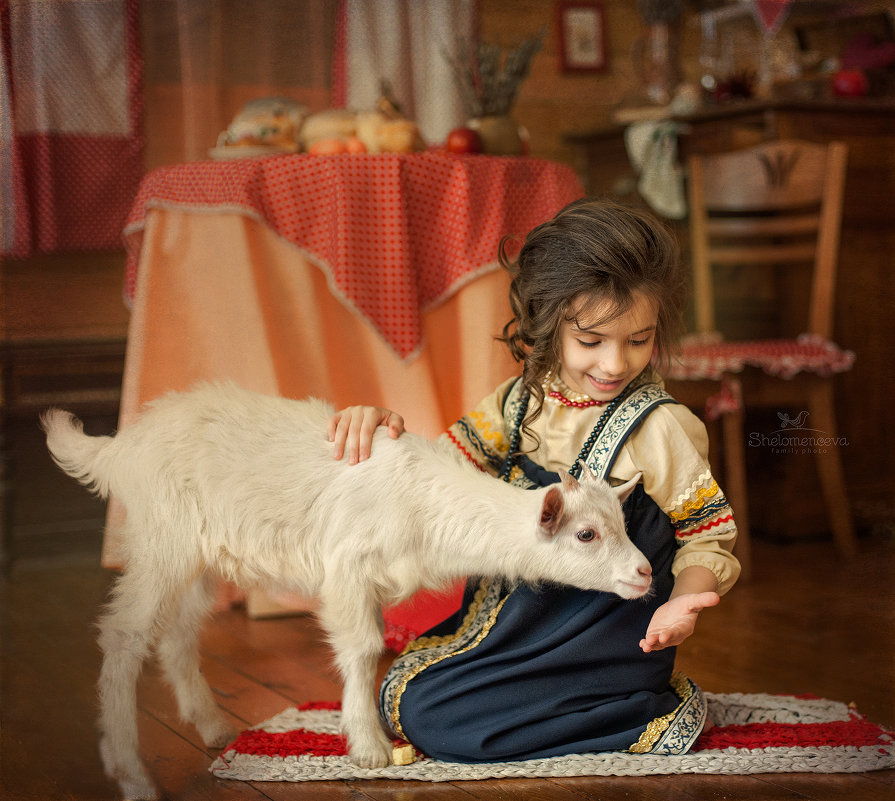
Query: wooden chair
773, 206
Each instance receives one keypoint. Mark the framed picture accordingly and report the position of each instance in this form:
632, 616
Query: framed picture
581, 29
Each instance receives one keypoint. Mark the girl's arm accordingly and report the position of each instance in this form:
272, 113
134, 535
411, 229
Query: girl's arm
351, 430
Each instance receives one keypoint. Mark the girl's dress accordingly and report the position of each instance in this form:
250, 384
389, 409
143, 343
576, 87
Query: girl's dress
525, 672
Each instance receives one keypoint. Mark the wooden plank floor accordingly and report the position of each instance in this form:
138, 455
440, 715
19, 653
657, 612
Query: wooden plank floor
807, 623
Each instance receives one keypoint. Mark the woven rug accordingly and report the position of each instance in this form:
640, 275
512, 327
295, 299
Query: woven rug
752, 734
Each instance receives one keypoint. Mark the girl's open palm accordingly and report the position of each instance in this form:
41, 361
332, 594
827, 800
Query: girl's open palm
675, 620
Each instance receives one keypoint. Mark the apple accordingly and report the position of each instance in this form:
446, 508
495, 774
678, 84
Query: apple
850, 83
463, 140
327, 147
354, 145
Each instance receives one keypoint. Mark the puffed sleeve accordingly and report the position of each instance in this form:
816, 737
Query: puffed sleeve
670, 448
480, 436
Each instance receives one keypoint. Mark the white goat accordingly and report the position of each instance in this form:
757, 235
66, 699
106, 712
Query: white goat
224, 482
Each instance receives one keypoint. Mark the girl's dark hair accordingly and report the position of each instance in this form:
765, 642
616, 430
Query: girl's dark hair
595, 248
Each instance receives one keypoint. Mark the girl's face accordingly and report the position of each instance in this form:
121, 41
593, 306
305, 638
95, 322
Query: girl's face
601, 360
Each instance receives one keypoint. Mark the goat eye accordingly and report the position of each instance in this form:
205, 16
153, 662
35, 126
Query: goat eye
586, 535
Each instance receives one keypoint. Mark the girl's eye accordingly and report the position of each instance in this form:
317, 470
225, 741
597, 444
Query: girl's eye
587, 535
638, 342
588, 344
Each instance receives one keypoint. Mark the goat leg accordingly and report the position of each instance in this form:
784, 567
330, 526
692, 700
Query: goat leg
353, 623
178, 652
126, 632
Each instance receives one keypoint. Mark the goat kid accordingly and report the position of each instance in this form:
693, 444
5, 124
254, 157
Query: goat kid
222, 482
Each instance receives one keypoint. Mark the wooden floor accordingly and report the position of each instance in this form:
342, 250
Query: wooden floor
807, 623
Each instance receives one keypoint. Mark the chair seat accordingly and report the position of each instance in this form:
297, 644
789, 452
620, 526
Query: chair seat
711, 358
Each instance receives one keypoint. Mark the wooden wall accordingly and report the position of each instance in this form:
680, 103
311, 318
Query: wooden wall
551, 103
63, 297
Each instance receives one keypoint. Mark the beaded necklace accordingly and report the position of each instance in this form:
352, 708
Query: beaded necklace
557, 390
575, 469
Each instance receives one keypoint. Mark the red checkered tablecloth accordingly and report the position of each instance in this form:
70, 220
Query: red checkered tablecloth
395, 233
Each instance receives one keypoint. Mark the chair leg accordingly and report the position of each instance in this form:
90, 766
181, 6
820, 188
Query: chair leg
6, 468
829, 466
735, 485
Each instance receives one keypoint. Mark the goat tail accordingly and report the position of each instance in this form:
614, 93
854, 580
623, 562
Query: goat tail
76, 453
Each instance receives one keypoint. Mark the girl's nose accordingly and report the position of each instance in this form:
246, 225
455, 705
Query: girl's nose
614, 362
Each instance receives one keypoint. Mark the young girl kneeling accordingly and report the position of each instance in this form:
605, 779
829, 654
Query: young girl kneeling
525, 672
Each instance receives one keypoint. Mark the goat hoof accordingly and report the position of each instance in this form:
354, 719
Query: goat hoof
374, 755
218, 737
136, 791
133, 782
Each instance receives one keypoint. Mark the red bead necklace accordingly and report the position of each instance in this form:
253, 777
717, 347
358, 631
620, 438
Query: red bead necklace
558, 396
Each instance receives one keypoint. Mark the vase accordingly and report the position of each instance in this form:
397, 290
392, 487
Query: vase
657, 61
501, 135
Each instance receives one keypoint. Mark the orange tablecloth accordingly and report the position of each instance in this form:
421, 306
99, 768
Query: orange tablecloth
226, 284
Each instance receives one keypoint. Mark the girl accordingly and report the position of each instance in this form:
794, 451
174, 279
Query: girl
524, 672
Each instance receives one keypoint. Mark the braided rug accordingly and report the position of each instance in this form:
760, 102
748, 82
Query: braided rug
753, 733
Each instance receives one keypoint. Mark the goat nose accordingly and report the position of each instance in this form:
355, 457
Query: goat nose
646, 571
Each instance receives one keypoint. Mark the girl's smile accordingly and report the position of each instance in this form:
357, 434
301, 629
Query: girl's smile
600, 360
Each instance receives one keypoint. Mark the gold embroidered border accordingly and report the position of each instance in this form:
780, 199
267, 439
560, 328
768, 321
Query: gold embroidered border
694, 487
436, 641
487, 431
656, 727
691, 506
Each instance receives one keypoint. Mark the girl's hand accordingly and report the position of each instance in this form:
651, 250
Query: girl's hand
675, 620
352, 430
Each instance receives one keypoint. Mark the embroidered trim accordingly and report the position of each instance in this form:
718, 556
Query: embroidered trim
689, 507
486, 630
710, 510
466, 432
704, 527
517, 474
688, 719
628, 415
486, 432
480, 618
460, 447
434, 642
683, 497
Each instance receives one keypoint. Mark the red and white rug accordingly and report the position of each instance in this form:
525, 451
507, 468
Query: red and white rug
752, 734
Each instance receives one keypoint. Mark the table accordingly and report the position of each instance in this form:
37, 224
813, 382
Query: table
354, 278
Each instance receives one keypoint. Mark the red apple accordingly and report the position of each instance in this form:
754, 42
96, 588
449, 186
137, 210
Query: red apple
849, 83
463, 140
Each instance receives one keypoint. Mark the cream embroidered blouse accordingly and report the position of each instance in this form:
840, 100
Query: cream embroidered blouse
670, 451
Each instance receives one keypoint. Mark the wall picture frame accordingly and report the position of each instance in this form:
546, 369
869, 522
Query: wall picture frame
581, 32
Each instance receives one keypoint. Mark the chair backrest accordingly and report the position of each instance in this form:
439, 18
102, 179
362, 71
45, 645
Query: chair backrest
778, 203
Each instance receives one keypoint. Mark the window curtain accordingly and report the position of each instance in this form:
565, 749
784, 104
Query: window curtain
70, 124
405, 43
206, 58
95, 92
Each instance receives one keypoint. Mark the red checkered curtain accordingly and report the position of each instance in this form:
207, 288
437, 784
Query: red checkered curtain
70, 124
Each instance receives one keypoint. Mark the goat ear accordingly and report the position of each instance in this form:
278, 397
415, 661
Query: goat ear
569, 482
551, 512
624, 490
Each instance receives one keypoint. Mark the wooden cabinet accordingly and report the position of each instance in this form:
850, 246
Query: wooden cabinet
783, 486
